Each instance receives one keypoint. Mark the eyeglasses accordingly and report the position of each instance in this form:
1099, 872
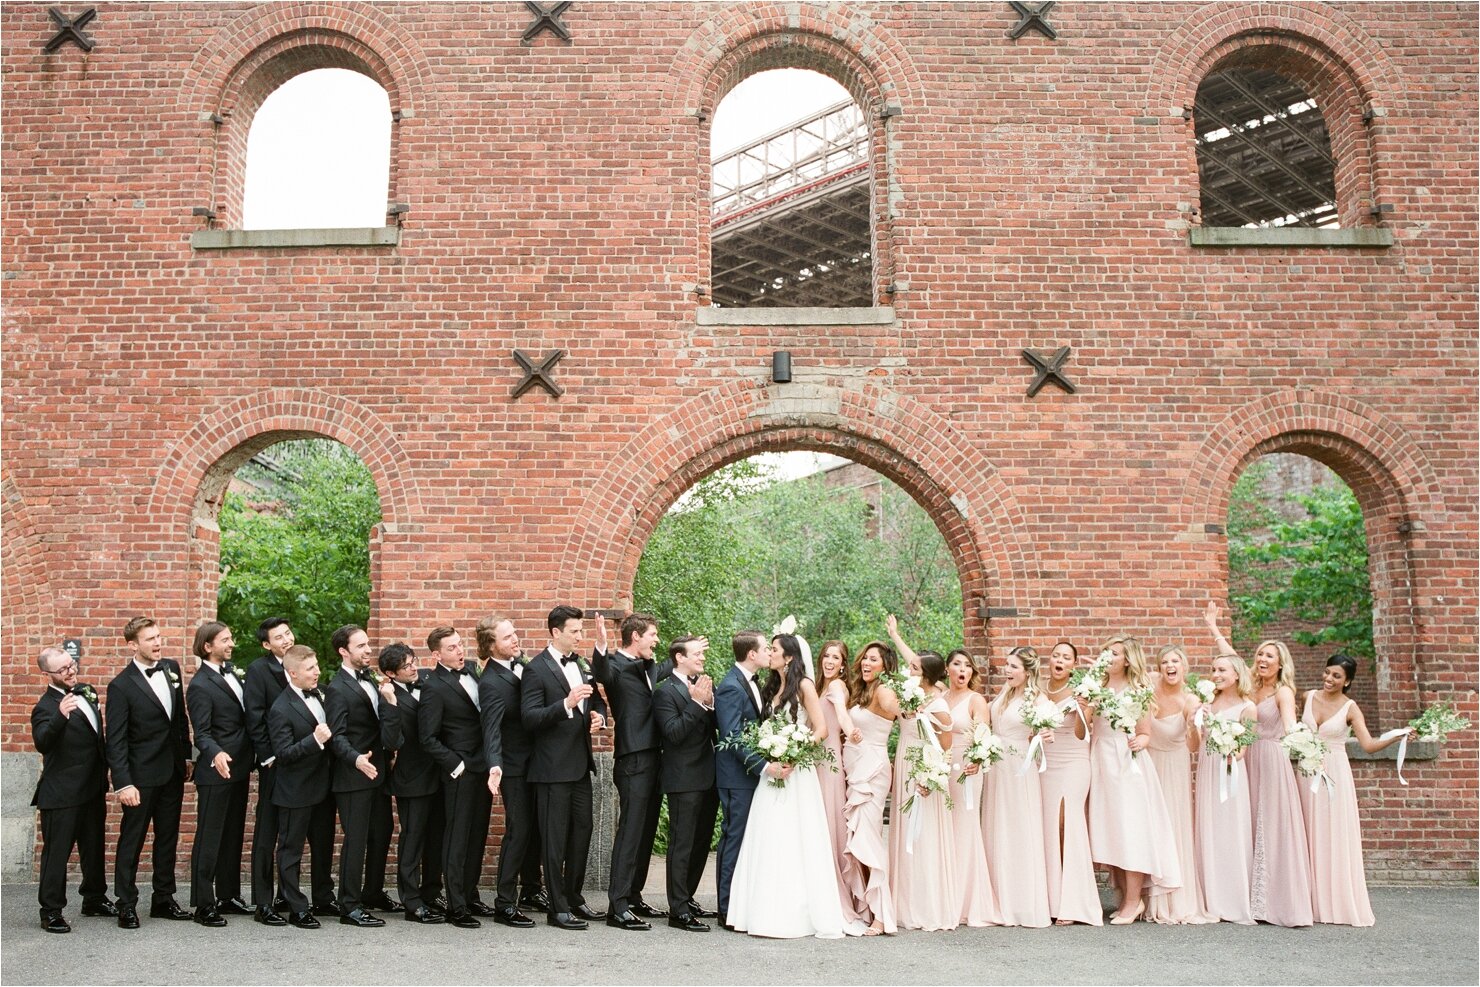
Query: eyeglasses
71, 666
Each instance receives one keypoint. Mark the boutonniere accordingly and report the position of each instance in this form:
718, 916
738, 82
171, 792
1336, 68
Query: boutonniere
174, 679
241, 676
86, 692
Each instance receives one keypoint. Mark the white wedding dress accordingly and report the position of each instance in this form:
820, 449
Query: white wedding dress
785, 884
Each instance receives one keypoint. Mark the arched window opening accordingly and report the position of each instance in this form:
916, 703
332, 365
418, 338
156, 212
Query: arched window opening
1263, 152
318, 154
825, 539
296, 524
791, 194
1298, 570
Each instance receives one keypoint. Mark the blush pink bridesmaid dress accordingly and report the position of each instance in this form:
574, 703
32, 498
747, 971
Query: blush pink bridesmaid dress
1225, 838
1280, 889
834, 796
973, 883
924, 878
1173, 761
867, 774
1072, 893
1334, 831
1014, 823
1128, 823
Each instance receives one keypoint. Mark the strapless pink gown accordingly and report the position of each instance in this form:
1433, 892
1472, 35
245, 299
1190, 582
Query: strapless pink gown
1334, 831
973, 883
1072, 893
1014, 824
1280, 890
1173, 761
1225, 838
867, 774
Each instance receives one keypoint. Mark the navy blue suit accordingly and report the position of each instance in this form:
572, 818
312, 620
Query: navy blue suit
736, 773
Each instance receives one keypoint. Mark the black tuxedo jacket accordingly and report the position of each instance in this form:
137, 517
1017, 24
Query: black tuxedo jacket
734, 707
302, 766
506, 743
146, 747
74, 766
450, 726
688, 738
219, 721
562, 743
265, 679
413, 773
357, 730
629, 684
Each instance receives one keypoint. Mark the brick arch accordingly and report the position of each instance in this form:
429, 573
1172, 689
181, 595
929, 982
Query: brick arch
251, 57
911, 444
1321, 49
833, 39
29, 620
1394, 485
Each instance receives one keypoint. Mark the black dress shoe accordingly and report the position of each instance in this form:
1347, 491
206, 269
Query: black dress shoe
699, 911
565, 920
209, 917
537, 901
463, 919
232, 906
128, 918
53, 922
643, 910
424, 915
303, 920
688, 923
361, 918
168, 909
280, 904
329, 908
626, 920
438, 905
588, 913
268, 917
381, 903
482, 910
513, 918
102, 907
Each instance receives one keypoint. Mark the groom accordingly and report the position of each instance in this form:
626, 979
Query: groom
737, 702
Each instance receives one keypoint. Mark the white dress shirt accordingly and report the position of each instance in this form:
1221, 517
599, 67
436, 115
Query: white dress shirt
755, 691
160, 683
511, 666
572, 673
86, 707
231, 682
315, 707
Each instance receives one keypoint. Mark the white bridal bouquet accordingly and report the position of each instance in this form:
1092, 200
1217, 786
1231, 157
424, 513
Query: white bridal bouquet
1308, 751
1124, 710
779, 739
1202, 688
912, 695
1039, 719
931, 770
1436, 722
1088, 683
1227, 737
983, 748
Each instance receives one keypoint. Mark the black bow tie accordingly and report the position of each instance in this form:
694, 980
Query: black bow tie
693, 679
151, 671
468, 670
568, 660
79, 690
366, 675
316, 694
227, 668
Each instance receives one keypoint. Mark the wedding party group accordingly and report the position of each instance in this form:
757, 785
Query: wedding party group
999, 810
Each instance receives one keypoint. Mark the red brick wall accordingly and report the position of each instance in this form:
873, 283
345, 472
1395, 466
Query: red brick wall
1029, 193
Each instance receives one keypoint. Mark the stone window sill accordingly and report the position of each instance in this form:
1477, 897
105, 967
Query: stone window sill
367, 236
882, 315
1418, 750
1288, 236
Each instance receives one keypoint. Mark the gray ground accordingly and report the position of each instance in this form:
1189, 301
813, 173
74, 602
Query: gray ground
1423, 935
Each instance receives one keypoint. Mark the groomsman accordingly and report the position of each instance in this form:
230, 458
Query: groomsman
67, 729
148, 744
737, 702
561, 711
414, 783
506, 746
352, 701
684, 708
628, 678
451, 731
216, 701
299, 727
266, 679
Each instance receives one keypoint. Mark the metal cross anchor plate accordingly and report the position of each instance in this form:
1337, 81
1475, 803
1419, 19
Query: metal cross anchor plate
546, 19
1033, 19
541, 374
69, 29
1050, 369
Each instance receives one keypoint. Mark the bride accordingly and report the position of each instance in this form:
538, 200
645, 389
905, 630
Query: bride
785, 886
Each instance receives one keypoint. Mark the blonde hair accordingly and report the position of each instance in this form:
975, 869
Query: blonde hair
1285, 675
1173, 649
1031, 668
299, 655
1135, 660
1244, 685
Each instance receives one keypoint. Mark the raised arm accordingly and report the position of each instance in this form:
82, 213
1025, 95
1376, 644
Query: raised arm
906, 653
1211, 619
1371, 745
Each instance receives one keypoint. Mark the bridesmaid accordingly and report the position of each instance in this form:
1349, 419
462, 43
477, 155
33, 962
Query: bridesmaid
1172, 745
1225, 841
831, 675
909, 664
1072, 893
872, 708
1129, 829
968, 708
924, 877
1279, 892
1331, 823
1014, 815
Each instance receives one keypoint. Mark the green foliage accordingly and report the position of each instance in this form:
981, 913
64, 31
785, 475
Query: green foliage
1312, 568
742, 551
300, 549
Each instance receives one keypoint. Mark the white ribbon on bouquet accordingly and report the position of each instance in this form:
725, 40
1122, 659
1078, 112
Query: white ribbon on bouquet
1402, 749
917, 819
1226, 778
